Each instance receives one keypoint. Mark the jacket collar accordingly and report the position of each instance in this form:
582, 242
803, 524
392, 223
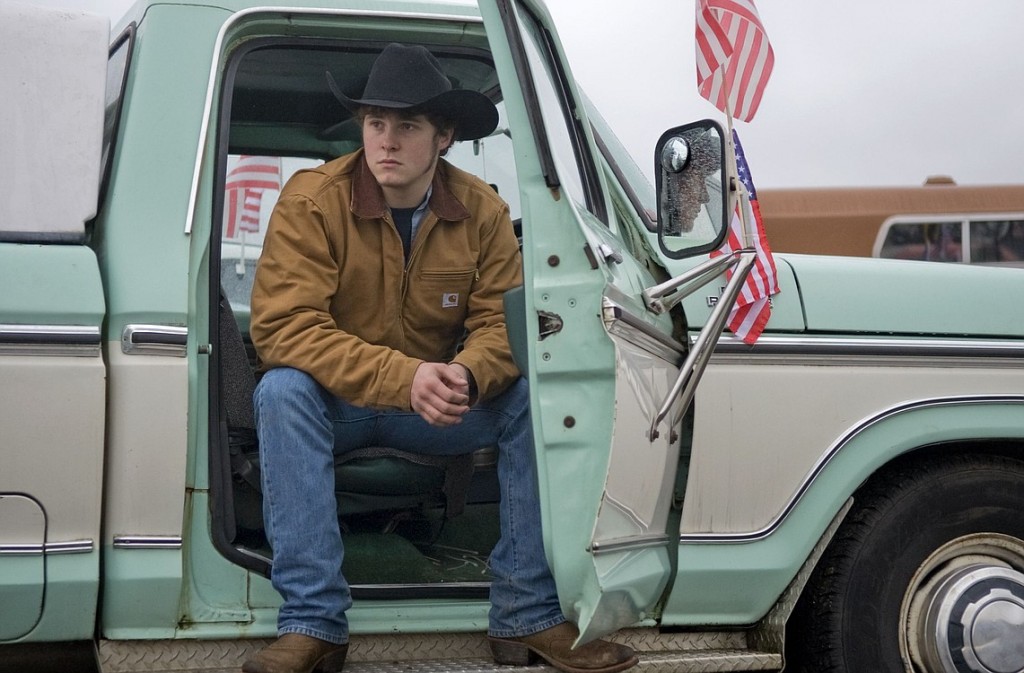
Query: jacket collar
368, 198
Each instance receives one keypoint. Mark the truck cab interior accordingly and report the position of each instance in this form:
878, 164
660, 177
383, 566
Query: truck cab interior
412, 525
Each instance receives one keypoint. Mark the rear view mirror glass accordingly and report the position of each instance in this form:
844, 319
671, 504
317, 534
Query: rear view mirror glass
692, 203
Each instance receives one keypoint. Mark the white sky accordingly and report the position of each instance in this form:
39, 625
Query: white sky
872, 92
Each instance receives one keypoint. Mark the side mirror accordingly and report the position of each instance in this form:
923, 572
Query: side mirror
692, 203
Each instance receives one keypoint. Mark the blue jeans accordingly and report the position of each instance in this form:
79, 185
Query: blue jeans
302, 427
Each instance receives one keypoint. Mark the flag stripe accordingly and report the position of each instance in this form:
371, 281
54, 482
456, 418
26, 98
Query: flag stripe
750, 315
733, 55
713, 45
244, 187
231, 219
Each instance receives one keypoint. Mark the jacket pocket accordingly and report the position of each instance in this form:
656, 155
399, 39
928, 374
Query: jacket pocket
437, 298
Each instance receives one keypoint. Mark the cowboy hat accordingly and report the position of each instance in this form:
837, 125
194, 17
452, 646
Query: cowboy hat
410, 76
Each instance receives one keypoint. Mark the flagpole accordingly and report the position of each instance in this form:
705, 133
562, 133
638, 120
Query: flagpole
240, 265
745, 225
730, 39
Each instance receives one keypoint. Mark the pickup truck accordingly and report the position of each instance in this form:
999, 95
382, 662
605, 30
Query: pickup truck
847, 494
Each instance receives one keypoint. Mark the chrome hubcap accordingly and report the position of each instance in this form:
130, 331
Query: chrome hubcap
965, 612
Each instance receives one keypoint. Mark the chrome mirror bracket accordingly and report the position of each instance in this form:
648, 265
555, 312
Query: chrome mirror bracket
696, 361
685, 284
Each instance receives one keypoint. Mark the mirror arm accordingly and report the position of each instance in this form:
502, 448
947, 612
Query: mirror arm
687, 283
689, 374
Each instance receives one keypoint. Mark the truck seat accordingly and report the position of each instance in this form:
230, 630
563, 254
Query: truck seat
380, 480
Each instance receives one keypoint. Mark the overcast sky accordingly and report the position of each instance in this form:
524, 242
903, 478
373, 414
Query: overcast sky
873, 92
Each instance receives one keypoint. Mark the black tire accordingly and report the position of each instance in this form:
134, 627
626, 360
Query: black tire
849, 617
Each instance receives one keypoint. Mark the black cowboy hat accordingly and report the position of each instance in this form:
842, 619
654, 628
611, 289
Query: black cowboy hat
410, 76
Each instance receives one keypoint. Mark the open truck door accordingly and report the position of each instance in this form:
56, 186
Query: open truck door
52, 373
611, 369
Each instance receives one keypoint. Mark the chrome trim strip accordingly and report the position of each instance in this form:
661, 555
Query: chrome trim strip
147, 542
218, 45
50, 340
833, 451
49, 548
865, 351
621, 322
169, 340
72, 547
629, 544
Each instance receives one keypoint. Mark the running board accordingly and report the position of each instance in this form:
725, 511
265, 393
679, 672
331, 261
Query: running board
439, 652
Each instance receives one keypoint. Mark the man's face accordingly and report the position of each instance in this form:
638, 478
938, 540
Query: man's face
402, 153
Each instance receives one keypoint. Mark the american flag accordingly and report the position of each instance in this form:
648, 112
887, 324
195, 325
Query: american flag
753, 307
243, 191
734, 57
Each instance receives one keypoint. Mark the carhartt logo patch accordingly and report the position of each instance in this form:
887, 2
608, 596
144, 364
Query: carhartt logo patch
449, 300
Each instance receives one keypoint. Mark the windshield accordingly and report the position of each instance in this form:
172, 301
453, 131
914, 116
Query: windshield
639, 189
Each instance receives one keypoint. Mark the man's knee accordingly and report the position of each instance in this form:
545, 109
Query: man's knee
515, 400
284, 386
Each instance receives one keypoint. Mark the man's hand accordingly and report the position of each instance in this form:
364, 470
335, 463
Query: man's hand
440, 393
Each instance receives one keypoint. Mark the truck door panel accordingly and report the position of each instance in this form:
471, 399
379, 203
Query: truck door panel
600, 364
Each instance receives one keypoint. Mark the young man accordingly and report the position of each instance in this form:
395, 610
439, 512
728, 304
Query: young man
374, 266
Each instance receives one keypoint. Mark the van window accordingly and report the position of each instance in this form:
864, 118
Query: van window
975, 239
925, 241
997, 241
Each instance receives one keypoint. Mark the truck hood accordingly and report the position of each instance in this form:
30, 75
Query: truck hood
878, 296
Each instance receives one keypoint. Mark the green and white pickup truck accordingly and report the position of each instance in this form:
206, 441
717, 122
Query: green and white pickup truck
845, 495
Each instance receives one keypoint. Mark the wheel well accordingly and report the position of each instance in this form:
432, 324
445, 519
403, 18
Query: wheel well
929, 454
871, 500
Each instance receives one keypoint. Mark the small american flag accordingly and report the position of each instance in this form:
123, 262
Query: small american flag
734, 57
753, 306
243, 191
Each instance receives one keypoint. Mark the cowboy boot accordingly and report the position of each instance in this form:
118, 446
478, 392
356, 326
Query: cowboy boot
296, 653
554, 645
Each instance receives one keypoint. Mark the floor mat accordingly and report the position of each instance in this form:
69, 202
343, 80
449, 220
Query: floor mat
425, 552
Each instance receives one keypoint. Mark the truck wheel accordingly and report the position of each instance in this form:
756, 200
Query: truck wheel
926, 575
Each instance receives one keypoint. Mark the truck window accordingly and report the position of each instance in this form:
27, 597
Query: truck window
117, 77
566, 138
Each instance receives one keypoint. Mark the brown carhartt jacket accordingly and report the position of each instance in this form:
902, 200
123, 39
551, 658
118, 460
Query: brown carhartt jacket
334, 297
